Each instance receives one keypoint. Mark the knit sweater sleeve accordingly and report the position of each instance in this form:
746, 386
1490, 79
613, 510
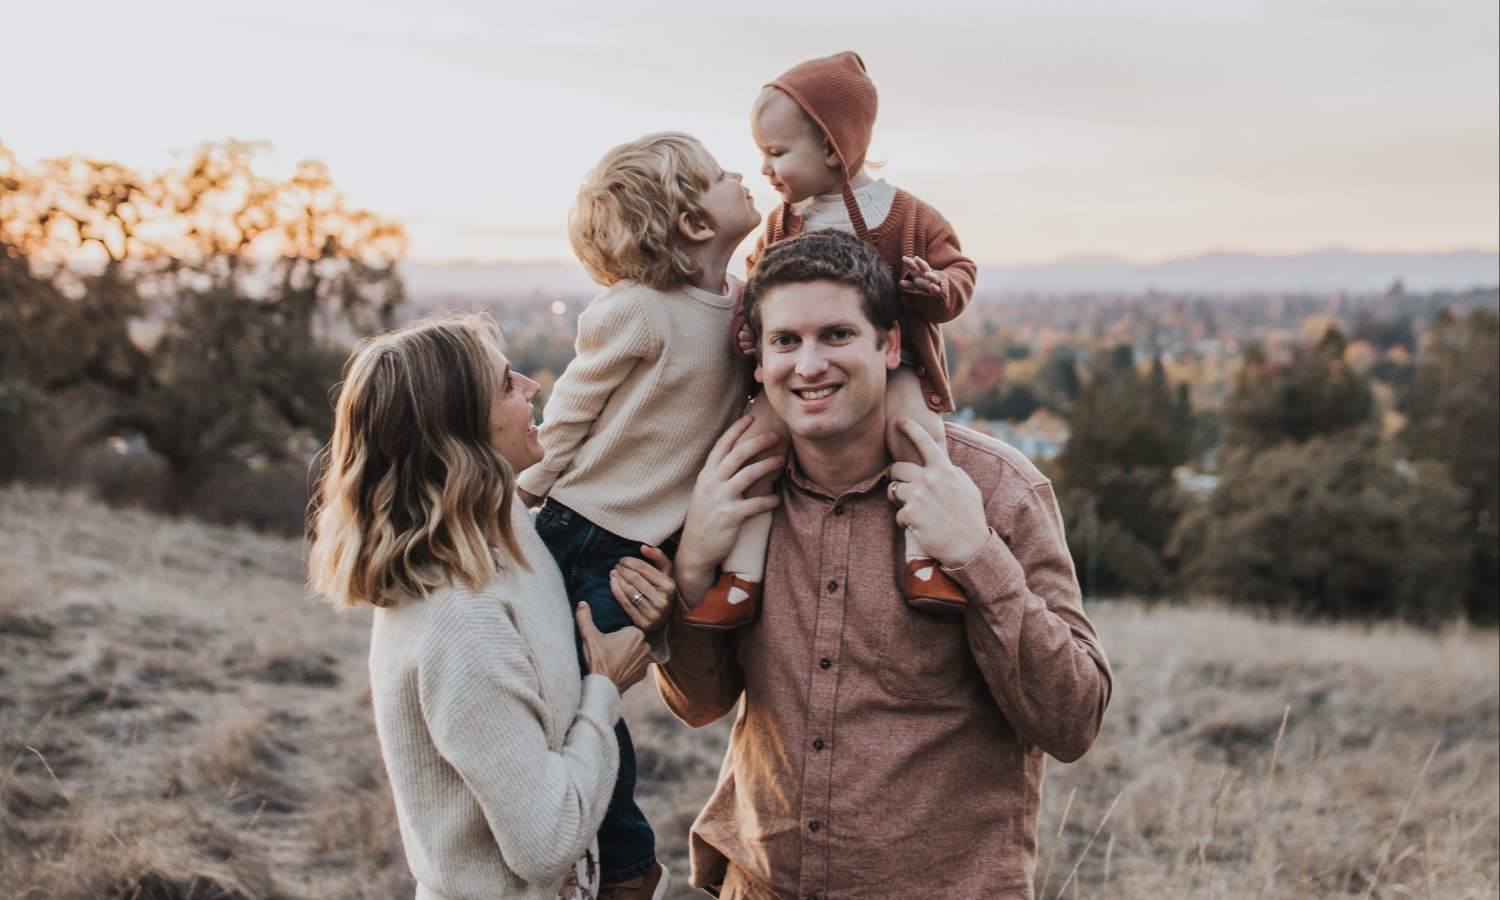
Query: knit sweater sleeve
614, 337
937, 244
480, 695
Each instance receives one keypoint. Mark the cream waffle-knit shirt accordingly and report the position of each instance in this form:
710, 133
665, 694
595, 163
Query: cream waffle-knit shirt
827, 211
629, 424
500, 759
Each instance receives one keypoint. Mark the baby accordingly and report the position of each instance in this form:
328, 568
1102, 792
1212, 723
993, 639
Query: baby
813, 127
630, 422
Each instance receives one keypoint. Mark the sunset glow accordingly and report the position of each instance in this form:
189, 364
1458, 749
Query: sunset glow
1148, 131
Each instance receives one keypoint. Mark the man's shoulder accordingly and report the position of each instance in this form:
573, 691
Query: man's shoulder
990, 461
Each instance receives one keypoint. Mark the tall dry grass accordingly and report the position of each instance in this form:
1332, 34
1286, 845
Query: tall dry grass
1252, 758
179, 722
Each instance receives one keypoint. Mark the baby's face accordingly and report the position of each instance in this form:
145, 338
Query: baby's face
794, 154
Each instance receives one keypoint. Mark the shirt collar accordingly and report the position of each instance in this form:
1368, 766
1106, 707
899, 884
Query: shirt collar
807, 486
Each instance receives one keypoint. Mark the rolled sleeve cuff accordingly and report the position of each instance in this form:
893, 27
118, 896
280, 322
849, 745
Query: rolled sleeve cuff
537, 480
993, 572
659, 643
602, 698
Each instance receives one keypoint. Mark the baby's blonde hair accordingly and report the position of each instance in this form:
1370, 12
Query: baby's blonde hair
413, 495
624, 222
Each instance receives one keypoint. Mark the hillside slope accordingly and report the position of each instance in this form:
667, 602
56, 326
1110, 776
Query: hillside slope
178, 720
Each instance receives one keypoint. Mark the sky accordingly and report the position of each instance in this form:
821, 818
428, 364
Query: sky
1146, 131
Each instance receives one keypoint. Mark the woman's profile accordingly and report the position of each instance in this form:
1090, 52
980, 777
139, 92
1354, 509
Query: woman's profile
501, 756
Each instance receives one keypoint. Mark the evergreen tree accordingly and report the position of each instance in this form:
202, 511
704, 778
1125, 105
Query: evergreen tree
1316, 394
1057, 383
1115, 477
1336, 526
1455, 421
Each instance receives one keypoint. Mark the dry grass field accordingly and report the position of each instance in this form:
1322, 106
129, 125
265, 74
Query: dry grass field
178, 722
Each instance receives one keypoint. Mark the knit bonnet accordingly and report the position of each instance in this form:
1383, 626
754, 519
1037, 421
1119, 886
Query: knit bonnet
839, 97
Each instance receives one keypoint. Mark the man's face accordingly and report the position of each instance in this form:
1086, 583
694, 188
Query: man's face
824, 364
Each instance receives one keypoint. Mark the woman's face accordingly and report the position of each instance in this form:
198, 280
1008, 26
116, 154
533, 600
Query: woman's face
512, 428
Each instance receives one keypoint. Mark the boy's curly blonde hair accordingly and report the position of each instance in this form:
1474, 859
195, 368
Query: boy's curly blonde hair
624, 222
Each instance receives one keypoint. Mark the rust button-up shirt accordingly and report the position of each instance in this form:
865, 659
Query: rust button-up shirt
882, 752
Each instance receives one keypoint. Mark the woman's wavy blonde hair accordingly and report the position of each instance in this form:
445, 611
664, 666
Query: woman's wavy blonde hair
624, 222
413, 496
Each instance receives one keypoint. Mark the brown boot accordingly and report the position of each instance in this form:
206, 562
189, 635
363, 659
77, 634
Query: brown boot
730, 603
651, 886
929, 588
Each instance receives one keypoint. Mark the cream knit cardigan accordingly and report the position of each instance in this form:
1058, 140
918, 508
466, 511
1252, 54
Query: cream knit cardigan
629, 424
500, 759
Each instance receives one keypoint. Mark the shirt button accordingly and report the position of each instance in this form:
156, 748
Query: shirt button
824, 663
814, 825
921, 370
838, 510
833, 586
935, 399
818, 745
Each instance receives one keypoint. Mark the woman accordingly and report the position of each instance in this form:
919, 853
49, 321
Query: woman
500, 757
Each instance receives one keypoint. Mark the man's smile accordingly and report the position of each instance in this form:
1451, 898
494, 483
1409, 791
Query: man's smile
815, 393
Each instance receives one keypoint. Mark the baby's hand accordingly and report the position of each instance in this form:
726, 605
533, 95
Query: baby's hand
920, 278
745, 341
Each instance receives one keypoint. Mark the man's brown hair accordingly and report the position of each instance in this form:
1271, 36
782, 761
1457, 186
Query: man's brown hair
825, 256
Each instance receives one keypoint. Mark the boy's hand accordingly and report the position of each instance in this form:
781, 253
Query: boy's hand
919, 277
745, 341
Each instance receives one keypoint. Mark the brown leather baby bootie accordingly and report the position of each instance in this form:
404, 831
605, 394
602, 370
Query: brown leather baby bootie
929, 588
730, 603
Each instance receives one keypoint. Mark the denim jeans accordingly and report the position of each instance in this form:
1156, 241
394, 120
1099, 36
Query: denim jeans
586, 553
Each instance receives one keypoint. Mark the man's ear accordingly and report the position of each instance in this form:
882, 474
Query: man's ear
694, 229
893, 348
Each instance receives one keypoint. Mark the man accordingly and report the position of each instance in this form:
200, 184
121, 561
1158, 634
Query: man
881, 751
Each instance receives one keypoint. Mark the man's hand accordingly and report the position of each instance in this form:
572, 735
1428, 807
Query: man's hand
919, 277
527, 497
644, 588
719, 506
940, 504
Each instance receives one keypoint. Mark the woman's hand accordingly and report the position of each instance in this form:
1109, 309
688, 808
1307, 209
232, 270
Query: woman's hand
644, 589
621, 657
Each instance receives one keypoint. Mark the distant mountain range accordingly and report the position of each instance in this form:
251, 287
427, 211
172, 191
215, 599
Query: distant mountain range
1215, 273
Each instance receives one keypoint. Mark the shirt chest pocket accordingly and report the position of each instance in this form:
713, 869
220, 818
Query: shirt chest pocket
922, 655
